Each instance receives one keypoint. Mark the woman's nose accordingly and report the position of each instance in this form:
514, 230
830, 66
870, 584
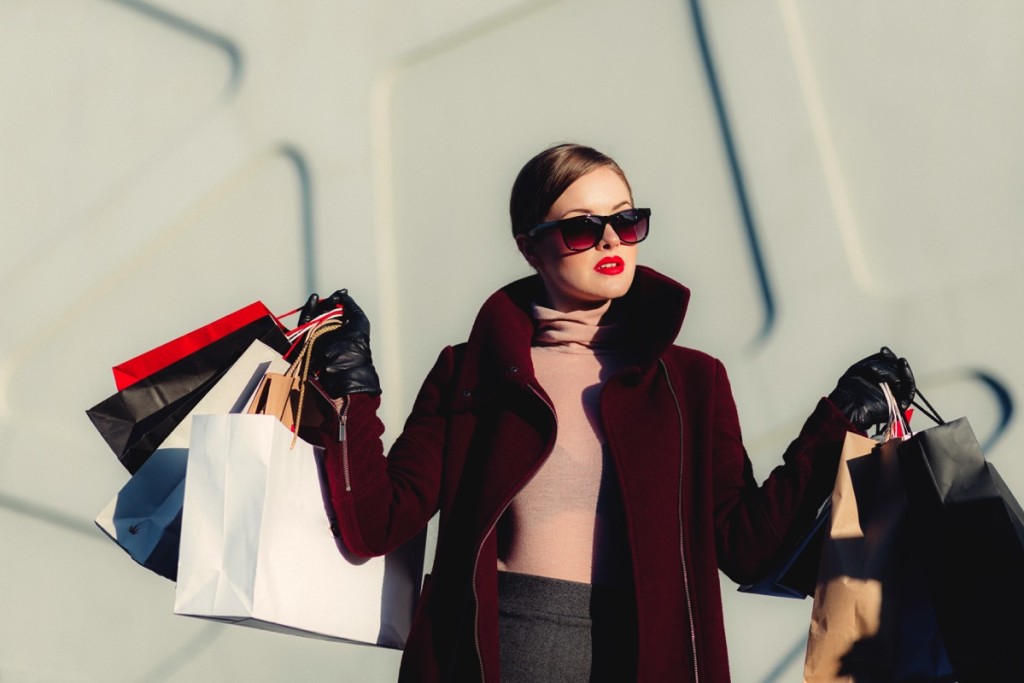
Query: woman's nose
609, 238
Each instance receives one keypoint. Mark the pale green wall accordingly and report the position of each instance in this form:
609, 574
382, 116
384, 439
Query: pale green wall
162, 163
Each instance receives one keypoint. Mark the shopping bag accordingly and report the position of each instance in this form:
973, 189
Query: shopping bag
144, 518
135, 420
871, 620
796, 574
968, 529
257, 547
848, 597
283, 394
145, 364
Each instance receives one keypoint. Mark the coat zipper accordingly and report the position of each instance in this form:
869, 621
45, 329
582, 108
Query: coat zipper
682, 527
342, 431
490, 530
343, 439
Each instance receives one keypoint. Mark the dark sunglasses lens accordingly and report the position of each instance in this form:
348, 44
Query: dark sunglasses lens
630, 226
581, 233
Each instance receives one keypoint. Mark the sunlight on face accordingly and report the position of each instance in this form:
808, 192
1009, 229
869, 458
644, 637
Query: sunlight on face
585, 279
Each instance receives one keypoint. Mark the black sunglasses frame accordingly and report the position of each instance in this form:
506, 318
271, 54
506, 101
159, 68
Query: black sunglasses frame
619, 221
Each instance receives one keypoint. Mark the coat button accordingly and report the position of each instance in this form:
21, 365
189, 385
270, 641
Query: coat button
466, 393
513, 369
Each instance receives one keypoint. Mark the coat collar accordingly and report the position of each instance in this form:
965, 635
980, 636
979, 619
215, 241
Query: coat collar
653, 307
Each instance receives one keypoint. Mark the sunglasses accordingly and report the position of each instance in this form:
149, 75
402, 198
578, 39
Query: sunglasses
581, 233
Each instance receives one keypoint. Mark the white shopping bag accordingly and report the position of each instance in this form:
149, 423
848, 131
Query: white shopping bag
144, 518
257, 547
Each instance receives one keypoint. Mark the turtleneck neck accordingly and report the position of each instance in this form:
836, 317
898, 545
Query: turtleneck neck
579, 331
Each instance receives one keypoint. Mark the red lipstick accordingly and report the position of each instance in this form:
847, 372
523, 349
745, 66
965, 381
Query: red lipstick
610, 265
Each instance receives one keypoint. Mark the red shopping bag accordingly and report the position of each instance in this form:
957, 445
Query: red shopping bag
144, 365
161, 386
135, 420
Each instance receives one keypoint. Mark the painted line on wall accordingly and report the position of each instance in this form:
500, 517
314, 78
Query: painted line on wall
1003, 399
199, 32
183, 655
49, 515
824, 140
736, 172
308, 235
382, 172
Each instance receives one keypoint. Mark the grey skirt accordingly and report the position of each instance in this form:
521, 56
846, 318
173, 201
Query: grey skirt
562, 631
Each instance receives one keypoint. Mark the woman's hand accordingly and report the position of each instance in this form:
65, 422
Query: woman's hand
858, 394
340, 360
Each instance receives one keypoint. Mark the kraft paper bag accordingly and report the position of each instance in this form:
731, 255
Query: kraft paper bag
144, 518
871, 621
848, 597
278, 395
257, 548
283, 395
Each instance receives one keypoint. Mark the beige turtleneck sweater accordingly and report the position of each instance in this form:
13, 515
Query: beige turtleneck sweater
567, 522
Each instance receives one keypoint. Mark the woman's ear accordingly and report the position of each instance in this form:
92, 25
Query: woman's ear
528, 249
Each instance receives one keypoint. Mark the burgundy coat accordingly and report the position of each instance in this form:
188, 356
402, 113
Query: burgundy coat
481, 426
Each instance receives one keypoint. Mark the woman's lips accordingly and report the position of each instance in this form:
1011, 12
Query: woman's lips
610, 265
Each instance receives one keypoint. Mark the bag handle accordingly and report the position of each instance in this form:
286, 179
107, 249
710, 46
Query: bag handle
299, 368
931, 413
295, 334
897, 427
303, 362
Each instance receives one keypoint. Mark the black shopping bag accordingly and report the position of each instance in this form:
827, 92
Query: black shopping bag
968, 531
135, 420
796, 573
144, 518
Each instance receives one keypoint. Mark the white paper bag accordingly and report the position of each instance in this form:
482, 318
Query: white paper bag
257, 547
144, 518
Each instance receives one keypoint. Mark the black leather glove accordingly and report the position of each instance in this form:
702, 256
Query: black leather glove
340, 360
859, 396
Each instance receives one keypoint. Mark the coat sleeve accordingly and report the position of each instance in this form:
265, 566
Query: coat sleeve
382, 501
753, 523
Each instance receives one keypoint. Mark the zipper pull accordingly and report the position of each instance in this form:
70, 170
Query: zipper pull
342, 417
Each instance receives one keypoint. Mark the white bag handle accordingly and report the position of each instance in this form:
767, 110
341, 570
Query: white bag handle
897, 427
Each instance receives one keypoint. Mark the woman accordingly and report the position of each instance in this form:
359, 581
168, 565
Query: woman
589, 474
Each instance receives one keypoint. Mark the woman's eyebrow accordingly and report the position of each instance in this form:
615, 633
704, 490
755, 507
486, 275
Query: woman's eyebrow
588, 212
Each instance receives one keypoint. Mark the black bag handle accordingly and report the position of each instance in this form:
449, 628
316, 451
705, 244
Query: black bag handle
930, 413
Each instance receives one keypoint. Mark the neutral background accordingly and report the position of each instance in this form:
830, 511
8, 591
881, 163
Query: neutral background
826, 177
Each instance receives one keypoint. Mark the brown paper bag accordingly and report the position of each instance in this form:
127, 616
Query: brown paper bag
278, 395
854, 628
283, 395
